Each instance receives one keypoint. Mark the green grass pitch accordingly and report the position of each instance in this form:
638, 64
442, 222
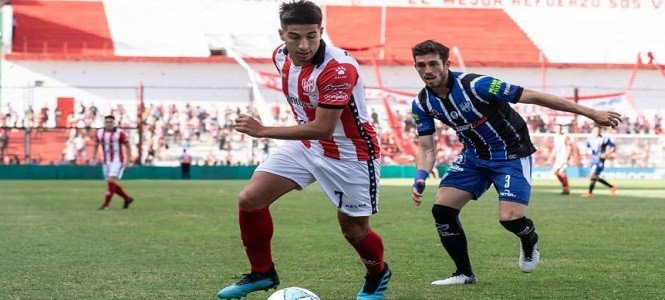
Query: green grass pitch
180, 240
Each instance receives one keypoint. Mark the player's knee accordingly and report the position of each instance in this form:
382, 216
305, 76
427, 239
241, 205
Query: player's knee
444, 214
355, 234
250, 201
521, 227
446, 222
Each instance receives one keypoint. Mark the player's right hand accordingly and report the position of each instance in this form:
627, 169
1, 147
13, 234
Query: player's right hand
417, 191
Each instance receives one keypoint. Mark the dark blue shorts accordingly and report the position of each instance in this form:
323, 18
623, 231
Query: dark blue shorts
597, 167
511, 178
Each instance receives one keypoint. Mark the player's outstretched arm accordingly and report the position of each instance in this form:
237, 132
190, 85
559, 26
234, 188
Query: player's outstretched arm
601, 117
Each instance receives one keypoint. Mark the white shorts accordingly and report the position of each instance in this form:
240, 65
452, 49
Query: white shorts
113, 169
352, 186
560, 163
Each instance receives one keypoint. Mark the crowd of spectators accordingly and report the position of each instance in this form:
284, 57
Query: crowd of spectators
206, 130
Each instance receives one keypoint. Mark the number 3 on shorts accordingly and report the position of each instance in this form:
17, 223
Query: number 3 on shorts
507, 184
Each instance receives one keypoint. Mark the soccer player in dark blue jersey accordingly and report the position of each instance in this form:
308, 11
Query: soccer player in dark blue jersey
600, 147
497, 150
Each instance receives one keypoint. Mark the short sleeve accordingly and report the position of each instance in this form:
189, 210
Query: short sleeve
424, 122
490, 88
336, 85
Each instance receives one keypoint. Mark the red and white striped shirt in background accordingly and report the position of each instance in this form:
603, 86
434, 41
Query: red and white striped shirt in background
111, 143
330, 81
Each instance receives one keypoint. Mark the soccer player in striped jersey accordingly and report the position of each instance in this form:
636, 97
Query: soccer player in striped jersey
116, 151
334, 143
497, 150
600, 147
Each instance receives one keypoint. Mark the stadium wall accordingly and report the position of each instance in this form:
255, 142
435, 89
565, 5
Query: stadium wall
144, 172
245, 172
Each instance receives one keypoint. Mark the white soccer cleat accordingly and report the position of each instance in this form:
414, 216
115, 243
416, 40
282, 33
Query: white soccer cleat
456, 279
528, 263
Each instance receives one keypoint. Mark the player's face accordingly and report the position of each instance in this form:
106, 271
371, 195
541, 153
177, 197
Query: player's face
432, 70
109, 124
302, 42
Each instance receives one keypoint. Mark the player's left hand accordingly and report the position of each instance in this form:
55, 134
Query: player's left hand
606, 118
248, 125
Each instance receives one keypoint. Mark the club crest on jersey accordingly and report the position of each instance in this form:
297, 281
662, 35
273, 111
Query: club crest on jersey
307, 85
465, 106
340, 70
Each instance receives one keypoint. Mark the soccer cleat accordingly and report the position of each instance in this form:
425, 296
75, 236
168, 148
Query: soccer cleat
587, 195
103, 207
375, 285
613, 190
456, 279
529, 262
565, 192
251, 282
127, 203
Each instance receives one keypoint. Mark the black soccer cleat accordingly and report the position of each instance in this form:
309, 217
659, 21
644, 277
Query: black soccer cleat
127, 203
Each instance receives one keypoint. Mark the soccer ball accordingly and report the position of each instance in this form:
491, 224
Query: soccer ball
293, 293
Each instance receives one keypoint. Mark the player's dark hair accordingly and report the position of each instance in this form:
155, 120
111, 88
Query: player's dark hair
109, 117
299, 12
429, 47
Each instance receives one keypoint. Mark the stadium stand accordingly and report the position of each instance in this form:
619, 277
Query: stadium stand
484, 36
49, 27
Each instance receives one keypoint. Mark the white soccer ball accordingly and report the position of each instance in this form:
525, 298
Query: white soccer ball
293, 293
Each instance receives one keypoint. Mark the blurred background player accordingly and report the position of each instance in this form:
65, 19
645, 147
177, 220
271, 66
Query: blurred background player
185, 164
560, 155
113, 141
600, 148
497, 151
333, 144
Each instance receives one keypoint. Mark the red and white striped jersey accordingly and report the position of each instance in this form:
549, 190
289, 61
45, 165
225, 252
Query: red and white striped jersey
330, 81
111, 143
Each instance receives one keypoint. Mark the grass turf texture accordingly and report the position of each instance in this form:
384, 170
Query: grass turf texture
180, 240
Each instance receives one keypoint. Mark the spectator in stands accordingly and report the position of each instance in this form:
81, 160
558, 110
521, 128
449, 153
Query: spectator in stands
4, 143
185, 164
497, 150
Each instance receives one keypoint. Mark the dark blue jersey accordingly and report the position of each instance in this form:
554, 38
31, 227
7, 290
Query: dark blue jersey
598, 145
478, 108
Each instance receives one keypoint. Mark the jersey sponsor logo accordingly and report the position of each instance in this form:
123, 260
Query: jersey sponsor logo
456, 168
307, 85
341, 72
337, 96
454, 115
334, 87
495, 86
507, 193
471, 125
416, 118
297, 102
